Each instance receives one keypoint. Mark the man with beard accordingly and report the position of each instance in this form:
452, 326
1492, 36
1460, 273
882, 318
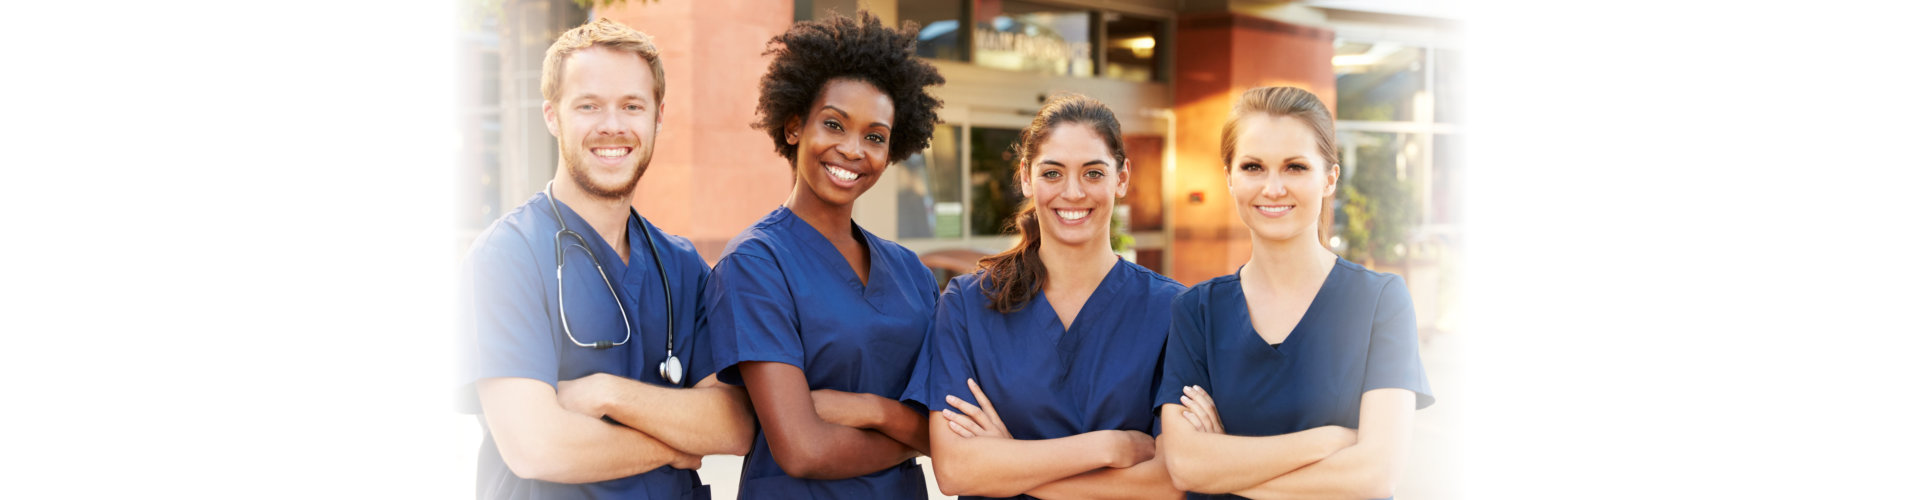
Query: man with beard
578, 315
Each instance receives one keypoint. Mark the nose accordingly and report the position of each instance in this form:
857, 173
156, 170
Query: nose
610, 124
849, 147
1273, 187
1075, 190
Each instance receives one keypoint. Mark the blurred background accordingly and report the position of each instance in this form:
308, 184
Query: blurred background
1171, 69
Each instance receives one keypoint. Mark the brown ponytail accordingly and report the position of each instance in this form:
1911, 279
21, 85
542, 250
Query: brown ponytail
1013, 277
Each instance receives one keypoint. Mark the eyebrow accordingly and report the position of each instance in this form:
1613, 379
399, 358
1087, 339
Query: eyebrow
582, 97
845, 113
1050, 161
1257, 159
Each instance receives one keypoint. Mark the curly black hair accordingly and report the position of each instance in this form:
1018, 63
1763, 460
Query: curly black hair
813, 52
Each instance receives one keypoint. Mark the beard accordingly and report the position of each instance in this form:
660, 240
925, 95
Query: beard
576, 165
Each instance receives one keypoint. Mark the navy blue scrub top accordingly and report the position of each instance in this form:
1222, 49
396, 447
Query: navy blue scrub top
509, 311
1046, 381
782, 293
1357, 335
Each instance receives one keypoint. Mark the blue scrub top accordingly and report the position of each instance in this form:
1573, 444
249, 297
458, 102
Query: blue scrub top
782, 293
1357, 335
1044, 380
510, 316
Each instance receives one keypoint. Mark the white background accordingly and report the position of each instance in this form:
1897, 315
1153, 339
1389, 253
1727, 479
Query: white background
1691, 250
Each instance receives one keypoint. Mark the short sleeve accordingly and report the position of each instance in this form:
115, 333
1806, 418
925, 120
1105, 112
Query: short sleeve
504, 318
1184, 362
1393, 350
750, 315
946, 354
699, 363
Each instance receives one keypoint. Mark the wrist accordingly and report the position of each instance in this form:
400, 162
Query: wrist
1117, 447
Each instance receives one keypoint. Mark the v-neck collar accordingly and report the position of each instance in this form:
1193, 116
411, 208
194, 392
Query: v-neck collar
823, 249
608, 255
1059, 326
1313, 308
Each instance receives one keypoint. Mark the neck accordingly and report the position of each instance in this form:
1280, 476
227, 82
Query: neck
608, 216
835, 222
1289, 264
1077, 267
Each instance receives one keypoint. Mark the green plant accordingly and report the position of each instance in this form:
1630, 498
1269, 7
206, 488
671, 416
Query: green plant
1377, 202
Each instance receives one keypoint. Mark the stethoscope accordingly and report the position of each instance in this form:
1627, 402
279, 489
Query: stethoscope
670, 368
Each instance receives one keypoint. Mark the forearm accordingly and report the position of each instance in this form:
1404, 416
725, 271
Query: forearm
1001, 467
1147, 479
1353, 472
1218, 463
901, 423
831, 451
1369, 468
539, 440
711, 419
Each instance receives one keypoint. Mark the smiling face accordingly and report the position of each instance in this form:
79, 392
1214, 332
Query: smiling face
841, 145
605, 117
1278, 178
1073, 181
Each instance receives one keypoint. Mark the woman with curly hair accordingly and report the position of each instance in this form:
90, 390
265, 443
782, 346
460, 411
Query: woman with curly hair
819, 319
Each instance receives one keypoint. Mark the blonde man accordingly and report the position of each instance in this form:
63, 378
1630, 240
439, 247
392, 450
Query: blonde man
579, 314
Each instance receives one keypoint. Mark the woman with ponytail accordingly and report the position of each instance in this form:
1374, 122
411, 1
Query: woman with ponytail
1297, 376
1063, 334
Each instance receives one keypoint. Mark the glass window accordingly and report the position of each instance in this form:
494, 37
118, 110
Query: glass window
1134, 48
1023, 36
1447, 82
929, 199
1377, 205
941, 36
1379, 81
996, 194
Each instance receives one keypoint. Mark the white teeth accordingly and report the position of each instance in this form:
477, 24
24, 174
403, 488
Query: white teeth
610, 152
841, 173
1073, 214
1273, 210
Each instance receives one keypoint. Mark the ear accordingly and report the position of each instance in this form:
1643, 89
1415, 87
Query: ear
1026, 185
793, 130
553, 120
1333, 180
1125, 174
659, 117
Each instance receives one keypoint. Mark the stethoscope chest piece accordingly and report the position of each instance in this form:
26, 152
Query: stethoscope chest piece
670, 369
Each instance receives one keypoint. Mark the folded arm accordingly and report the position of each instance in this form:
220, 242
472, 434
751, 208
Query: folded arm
805, 445
1147, 479
711, 418
995, 466
1209, 462
1368, 469
538, 439
976, 455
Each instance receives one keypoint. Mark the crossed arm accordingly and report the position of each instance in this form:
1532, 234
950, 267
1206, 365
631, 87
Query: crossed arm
711, 418
1324, 462
975, 455
538, 439
808, 445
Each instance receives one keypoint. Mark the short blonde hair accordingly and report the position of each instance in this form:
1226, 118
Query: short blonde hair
601, 32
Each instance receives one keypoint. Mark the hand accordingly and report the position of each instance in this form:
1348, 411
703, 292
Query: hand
684, 461
1200, 410
975, 421
583, 395
1131, 447
851, 409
